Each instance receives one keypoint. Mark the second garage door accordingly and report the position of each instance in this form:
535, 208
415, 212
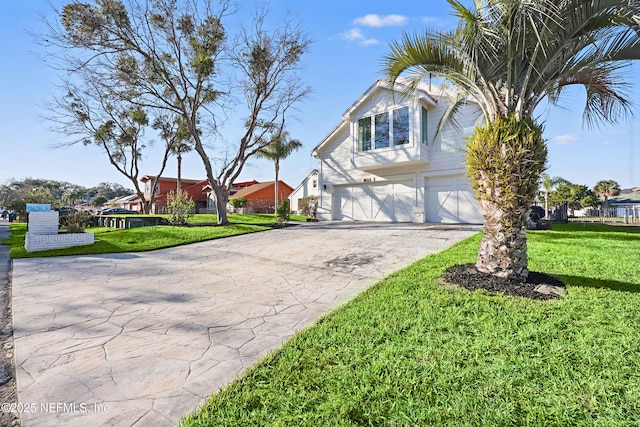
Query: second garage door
451, 200
375, 202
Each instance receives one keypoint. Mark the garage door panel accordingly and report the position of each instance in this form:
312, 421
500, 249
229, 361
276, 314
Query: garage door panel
448, 206
342, 202
382, 203
451, 200
375, 202
403, 204
470, 209
361, 204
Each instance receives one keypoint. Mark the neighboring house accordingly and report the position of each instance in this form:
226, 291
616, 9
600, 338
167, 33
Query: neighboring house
308, 187
626, 204
383, 162
130, 203
260, 197
196, 188
237, 186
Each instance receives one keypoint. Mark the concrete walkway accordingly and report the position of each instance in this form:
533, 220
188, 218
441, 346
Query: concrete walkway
142, 339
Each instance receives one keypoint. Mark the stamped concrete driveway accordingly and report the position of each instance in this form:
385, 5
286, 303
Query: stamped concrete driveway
142, 339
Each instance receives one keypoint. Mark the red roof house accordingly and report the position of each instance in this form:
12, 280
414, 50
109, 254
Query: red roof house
261, 197
194, 187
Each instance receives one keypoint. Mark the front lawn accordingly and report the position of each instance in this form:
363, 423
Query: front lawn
112, 240
409, 352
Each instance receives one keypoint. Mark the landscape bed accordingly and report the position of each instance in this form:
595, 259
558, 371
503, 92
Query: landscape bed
410, 351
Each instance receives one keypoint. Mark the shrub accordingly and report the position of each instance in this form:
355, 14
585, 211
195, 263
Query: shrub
282, 213
75, 222
238, 203
309, 206
180, 207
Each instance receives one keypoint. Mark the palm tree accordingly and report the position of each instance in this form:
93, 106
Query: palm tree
507, 56
548, 184
177, 148
279, 147
175, 133
605, 189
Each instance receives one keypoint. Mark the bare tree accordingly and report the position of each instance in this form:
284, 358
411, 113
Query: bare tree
169, 55
94, 117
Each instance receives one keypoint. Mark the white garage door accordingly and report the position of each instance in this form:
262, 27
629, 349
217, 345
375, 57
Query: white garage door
451, 200
375, 202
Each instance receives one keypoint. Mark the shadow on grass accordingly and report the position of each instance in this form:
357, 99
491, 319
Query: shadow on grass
589, 282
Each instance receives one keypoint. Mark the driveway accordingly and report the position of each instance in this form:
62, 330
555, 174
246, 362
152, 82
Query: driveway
143, 339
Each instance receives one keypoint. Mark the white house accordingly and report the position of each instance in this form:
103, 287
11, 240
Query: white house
308, 187
383, 162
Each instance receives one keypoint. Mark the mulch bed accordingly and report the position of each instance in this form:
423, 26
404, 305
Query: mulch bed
468, 277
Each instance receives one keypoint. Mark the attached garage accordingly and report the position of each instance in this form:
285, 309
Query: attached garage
393, 202
451, 199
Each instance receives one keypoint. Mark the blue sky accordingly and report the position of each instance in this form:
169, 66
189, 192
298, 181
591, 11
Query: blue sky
349, 39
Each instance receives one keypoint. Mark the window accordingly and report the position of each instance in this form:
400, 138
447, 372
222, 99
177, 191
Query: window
424, 127
382, 130
401, 126
389, 129
315, 183
364, 134
147, 186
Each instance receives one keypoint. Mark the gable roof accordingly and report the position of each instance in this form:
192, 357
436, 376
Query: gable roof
627, 196
312, 173
248, 191
399, 88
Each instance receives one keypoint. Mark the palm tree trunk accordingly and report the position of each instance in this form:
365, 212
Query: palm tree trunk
505, 159
546, 204
179, 183
503, 249
275, 190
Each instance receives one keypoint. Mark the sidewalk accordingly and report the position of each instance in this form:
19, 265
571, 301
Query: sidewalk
7, 367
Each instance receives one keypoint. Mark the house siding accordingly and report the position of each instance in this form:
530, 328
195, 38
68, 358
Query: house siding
344, 179
305, 189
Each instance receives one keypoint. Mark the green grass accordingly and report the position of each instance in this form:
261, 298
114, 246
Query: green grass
410, 352
111, 240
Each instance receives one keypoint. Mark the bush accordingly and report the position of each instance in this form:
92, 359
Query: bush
309, 206
283, 213
180, 207
75, 222
238, 203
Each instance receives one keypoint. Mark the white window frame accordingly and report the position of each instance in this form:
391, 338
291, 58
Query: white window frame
372, 142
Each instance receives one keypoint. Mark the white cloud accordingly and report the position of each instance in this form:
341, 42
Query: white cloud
352, 35
373, 20
369, 42
608, 142
565, 139
355, 35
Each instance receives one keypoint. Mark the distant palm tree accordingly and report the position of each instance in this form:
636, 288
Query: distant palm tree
280, 147
548, 184
605, 189
178, 148
175, 133
508, 56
